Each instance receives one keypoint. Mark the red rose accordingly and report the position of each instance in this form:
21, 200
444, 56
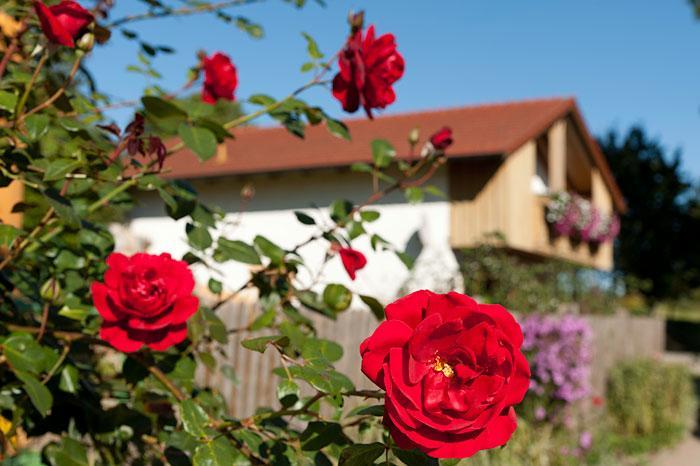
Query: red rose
63, 23
352, 260
368, 68
452, 370
220, 78
442, 139
145, 299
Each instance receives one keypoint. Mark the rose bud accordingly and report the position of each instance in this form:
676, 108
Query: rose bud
452, 370
369, 66
220, 78
352, 261
442, 139
145, 299
63, 23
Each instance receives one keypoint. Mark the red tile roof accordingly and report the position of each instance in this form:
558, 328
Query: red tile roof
496, 129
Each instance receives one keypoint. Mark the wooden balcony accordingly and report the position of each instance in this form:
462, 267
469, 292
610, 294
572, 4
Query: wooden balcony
546, 243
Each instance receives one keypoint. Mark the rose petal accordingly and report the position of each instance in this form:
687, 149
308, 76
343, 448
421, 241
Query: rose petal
389, 334
409, 309
119, 337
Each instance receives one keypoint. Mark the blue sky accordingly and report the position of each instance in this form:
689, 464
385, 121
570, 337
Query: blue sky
627, 61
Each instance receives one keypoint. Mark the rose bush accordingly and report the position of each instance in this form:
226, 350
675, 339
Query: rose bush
452, 370
145, 300
102, 353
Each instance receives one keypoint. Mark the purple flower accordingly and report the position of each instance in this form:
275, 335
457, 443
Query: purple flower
585, 440
559, 350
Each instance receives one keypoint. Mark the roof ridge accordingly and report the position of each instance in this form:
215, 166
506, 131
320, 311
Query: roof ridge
457, 108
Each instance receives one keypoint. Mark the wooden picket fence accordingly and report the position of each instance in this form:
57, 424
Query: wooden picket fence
616, 337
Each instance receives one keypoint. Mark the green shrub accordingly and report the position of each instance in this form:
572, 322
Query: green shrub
541, 444
651, 405
521, 284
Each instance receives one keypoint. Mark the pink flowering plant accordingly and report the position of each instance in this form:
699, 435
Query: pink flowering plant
576, 217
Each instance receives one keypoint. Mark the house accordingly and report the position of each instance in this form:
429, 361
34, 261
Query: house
506, 161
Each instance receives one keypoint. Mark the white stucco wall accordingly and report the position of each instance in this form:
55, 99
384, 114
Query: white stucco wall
270, 213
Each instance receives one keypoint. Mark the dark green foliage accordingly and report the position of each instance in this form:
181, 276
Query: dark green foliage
657, 249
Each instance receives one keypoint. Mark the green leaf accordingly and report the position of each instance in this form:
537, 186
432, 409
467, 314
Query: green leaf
208, 360
337, 297
69, 379
8, 234
340, 210
369, 215
216, 327
382, 153
59, 168
414, 195
355, 229
262, 100
414, 457
162, 109
308, 66
39, 395
266, 319
218, 452
374, 410
304, 218
259, 344
24, 353
253, 30
73, 313
37, 126
215, 286
237, 251
198, 236
374, 306
361, 454
69, 452
8, 101
435, 191
361, 167
288, 393
312, 47
229, 372
202, 141
269, 249
407, 260
63, 207
320, 349
318, 435
194, 419
67, 260
338, 128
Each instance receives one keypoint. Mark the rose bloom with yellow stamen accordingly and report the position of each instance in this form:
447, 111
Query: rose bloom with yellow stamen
452, 370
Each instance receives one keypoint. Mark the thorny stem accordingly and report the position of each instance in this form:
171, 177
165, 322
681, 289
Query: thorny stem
48, 102
160, 375
27, 89
203, 8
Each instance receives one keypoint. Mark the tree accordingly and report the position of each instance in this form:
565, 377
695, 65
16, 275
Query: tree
657, 248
